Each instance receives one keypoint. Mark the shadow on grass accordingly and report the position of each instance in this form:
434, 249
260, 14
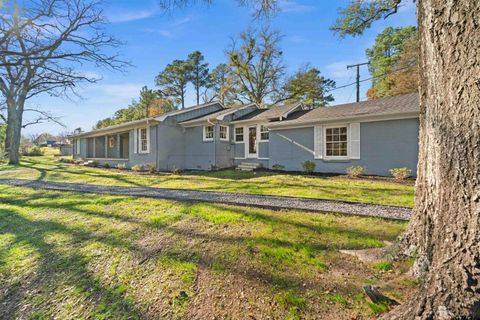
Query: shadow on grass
55, 266
72, 266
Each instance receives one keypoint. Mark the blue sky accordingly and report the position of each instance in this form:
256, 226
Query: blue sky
153, 39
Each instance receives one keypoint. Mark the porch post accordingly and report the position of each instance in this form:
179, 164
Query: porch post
94, 146
106, 147
118, 146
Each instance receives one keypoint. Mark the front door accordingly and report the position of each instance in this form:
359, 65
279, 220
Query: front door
252, 142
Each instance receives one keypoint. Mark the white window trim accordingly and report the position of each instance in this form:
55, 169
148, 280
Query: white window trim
139, 136
340, 125
260, 133
235, 134
227, 129
205, 133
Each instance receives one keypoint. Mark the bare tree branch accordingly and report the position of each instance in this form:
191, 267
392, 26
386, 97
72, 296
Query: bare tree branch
42, 45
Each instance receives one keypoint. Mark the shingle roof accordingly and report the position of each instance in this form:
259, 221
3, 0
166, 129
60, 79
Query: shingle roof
217, 114
273, 112
408, 103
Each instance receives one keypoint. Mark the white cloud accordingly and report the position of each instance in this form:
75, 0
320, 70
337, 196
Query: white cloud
175, 25
126, 15
293, 6
181, 21
121, 91
161, 32
338, 70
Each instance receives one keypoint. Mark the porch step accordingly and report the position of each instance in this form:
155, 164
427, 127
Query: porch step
248, 166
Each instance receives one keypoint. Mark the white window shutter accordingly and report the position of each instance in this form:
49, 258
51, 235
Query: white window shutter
354, 141
318, 141
135, 140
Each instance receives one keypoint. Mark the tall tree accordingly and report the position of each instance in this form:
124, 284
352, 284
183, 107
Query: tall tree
444, 231
384, 56
257, 65
173, 81
221, 85
41, 45
198, 72
308, 86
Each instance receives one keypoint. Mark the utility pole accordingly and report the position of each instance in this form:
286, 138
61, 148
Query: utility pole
358, 76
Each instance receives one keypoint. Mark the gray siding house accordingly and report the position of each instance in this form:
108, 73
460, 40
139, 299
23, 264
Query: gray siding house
379, 134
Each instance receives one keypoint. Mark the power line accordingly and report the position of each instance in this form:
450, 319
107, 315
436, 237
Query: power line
357, 66
371, 78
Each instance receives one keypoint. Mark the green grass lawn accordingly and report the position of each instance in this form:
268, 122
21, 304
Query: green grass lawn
69, 255
263, 182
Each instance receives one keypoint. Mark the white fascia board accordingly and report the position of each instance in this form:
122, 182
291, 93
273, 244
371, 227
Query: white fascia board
291, 110
116, 128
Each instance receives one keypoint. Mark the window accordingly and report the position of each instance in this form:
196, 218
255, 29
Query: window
207, 133
239, 134
224, 133
264, 135
336, 143
144, 140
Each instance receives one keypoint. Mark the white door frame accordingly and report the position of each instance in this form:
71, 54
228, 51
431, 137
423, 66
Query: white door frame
246, 130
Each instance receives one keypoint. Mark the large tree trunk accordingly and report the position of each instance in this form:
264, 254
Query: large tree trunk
445, 228
14, 128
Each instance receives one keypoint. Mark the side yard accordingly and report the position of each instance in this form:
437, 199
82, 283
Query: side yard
375, 191
70, 255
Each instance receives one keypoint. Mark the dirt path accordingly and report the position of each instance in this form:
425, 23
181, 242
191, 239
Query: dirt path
271, 202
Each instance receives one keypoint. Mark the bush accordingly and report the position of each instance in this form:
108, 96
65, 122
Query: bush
106, 165
177, 171
93, 164
137, 167
278, 167
401, 173
67, 160
151, 167
121, 166
355, 171
34, 151
308, 166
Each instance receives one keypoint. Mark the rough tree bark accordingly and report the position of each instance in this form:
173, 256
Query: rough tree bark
445, 226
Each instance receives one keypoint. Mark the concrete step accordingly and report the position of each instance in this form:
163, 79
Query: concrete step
251, 164
248, 166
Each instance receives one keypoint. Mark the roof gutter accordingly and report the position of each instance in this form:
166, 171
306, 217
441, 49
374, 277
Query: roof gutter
364, 118
116, 128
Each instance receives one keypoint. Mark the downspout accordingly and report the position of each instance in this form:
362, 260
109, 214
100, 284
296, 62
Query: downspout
214, 144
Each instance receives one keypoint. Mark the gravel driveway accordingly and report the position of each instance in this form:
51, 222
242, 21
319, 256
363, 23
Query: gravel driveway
272, 202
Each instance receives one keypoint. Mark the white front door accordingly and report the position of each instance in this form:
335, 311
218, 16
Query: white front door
251, 144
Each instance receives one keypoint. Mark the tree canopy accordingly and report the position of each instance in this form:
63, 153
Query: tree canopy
393, 62
150, 104
308, 86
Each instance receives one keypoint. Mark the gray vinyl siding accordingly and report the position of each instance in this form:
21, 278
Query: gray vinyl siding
142, 158
383, 145
198, 153
239, 150
263, 149
224, 149
170, 147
